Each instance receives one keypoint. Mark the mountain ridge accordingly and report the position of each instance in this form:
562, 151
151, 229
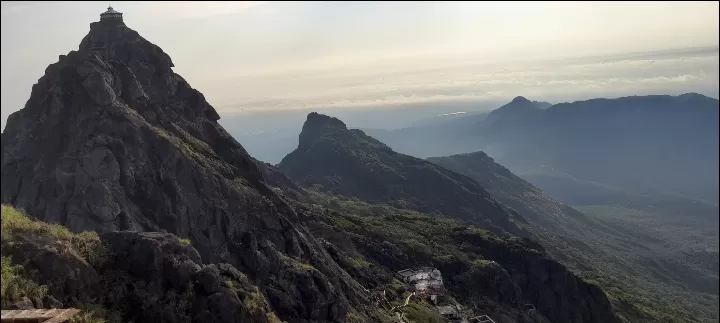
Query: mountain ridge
338, 157
348, 162
112, 139
670, 142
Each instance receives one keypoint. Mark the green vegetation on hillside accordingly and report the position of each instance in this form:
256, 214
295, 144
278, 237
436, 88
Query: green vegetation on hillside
88, 243
633, 255
16, 281
397, 238
15, 286
429, 240
185, 241
651, 252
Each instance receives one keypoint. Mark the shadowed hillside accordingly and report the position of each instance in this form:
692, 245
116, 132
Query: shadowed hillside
655, 252
348, 162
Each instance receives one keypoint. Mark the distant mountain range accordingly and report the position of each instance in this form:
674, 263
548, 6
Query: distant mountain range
646, 143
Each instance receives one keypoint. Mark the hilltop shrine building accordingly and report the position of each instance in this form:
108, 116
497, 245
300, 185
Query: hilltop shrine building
111, 15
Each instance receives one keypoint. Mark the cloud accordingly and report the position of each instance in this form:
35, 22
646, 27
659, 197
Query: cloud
547, 81
450, 114
253, 133
284, 55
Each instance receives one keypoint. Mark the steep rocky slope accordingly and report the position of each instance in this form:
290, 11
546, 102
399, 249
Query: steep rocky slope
112, 139
555, 224
491, 274
348, 162
507, 187
130, 276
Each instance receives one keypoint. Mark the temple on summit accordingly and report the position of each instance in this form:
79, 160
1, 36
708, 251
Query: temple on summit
111, 15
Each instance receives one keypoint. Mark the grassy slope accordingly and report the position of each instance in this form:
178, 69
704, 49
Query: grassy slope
16, 284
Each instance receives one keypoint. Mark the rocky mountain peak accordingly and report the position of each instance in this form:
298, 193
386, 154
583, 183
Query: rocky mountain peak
315, 119
117, 42
371, 171
318, 125
112, 139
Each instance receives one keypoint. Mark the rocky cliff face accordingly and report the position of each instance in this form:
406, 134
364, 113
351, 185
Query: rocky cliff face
140, 277
555, 291
348, 162
112, 139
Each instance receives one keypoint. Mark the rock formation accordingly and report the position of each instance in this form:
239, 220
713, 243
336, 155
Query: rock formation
112, 139
348, 162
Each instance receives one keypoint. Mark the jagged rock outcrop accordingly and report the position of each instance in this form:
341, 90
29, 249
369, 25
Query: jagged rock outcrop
112, 139
348, 162
140, 277
555, 291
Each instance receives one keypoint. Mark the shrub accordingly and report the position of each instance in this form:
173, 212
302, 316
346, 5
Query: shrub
93, 313
15, 286
87, 243
185, 241
91, 248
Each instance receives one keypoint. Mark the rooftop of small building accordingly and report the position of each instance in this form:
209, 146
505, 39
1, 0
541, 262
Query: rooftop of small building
110, 10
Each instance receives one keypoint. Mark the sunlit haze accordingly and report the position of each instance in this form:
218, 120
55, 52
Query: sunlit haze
257, 56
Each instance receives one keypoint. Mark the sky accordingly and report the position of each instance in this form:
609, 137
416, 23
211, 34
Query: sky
250, 57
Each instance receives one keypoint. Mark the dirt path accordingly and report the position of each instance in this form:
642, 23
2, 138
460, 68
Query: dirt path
400, 314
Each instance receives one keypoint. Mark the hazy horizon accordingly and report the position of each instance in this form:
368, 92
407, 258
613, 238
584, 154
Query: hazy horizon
257, 57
